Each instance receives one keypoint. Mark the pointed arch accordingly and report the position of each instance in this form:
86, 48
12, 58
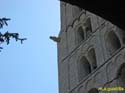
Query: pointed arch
84, 67
88, 27
112, 42
80, 35
92, 58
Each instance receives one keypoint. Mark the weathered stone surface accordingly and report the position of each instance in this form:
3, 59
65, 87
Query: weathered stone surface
104, 38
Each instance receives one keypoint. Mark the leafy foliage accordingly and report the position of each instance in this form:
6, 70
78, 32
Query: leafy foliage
7, 35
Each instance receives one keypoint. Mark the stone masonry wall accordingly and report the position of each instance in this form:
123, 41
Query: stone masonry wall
98, 34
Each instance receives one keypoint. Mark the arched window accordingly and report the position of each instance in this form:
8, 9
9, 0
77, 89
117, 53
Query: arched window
93, 90
84, 68
88, 27
112, 42
92, 58
80, 35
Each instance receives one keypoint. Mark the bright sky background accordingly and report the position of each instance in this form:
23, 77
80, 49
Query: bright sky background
32, 66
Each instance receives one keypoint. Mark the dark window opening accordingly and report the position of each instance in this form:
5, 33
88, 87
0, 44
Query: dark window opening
84, 68
80, 36
88, 27
92, 58
112, 42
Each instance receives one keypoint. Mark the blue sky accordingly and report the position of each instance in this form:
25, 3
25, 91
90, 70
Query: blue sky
32, 66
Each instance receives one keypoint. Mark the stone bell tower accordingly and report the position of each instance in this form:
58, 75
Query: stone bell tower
91, 52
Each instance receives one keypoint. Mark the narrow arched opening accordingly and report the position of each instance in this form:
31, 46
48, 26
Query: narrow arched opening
92, 58
84, 68
80, 35
112, 42
88, 27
